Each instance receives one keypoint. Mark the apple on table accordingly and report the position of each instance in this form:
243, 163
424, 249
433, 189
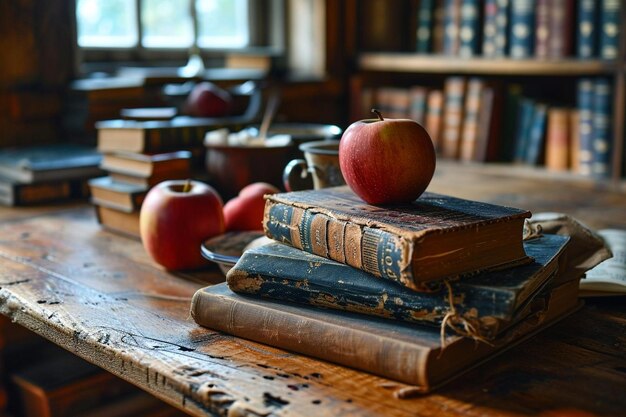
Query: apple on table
387, 161
175, 218
245, 211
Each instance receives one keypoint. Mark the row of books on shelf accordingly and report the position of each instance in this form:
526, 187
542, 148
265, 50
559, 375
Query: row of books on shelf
544, 29
422, 291
472, 119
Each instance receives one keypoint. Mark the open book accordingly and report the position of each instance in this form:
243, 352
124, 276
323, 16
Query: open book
609, 277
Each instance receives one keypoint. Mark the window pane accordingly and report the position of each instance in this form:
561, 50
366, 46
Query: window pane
166, 23
106, 23
222, 23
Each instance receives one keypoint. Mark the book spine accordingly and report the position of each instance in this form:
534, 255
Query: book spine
487, 146
542, 28
525, 118
434, 117
469, 136
417, 109
453, 116
372, 250
489, 28
609, 29
601, 148
452, 23
557, 137
469, 24
425, 26
561, 14
537, 135
438, 26
502, 24
521, 28
586, 29
574, 129
585, 125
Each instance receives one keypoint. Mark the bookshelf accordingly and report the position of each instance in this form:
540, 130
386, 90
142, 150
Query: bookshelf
387, 61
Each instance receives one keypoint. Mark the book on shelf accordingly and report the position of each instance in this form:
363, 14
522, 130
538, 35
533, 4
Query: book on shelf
392, 349
586, 29
424, 26
560, 21
524, 125
393, 102
601, 127
488, 301
574, 130
489, 124
439, 16
609, 30
609, 277
154, 136
418, 104
452, 123
49, 162
118, 221
584, 103
433, 237
558, 139
119, 195
489, 29
451, 25
542, 28
521, 28
510, 123
148, 164
535, 144
471, 113
434, 116
469, 27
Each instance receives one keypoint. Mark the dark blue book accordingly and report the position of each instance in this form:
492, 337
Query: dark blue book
586, 31
489, 28
469, 28
522, 29
487, 300
425, 26
524, 122
536, 135
609, 29
510, 123
502, 25
602, 141
584, 102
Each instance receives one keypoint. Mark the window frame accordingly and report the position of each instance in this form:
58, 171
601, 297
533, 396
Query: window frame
267, 37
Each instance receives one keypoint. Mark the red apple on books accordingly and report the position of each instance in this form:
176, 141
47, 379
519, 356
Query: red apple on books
176, 217
387, 161
245, 212
208, 100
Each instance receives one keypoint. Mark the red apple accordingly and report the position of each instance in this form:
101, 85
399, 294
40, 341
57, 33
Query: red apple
245, 212
387, 161
176, 217
208, 100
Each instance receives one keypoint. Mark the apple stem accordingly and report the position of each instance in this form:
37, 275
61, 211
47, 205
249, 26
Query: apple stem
187, 186
380, 116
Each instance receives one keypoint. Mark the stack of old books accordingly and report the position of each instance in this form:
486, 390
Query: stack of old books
417, 293
138, 155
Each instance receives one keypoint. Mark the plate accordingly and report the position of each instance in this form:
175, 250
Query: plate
226, 249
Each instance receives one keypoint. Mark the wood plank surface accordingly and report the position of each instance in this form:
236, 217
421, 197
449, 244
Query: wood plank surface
100, 296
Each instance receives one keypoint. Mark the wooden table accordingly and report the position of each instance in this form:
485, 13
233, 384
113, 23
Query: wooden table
99, 296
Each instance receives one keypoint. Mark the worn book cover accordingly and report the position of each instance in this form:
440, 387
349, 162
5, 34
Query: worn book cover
405, 352
486, 302
435, 236
147, 164
118, 195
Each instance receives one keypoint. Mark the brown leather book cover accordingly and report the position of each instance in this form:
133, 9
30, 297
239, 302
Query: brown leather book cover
408, 353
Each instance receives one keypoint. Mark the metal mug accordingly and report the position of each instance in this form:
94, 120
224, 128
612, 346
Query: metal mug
318, 169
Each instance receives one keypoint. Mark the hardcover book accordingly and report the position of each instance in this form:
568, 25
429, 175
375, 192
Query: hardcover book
586, 30
118, 221
602, 139
557, 139
405, 352
49, 163
609, 28
469, 28
434, 118
13, 193
452, 123
522, 28
118, 195
146, 165
431, 238
485, 302
585, 102
424, 26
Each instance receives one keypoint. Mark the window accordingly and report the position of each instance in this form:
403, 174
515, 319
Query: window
163, 24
